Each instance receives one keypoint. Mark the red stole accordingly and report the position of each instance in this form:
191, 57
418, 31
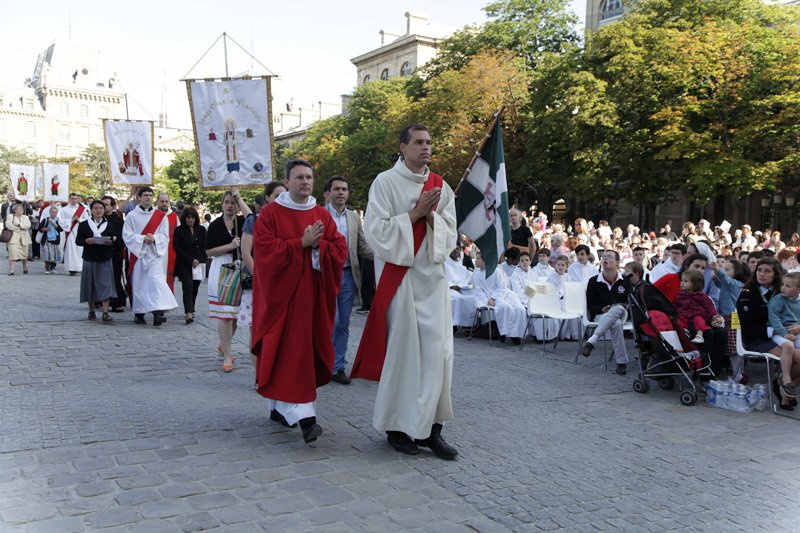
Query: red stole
372, 350
172, 217
151, 227
78, 213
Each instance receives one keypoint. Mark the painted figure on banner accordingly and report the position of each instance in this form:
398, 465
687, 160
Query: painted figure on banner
22, 184
54, 183
131, 163
231, 139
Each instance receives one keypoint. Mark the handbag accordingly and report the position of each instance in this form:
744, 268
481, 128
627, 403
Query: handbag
229, 287
6, 235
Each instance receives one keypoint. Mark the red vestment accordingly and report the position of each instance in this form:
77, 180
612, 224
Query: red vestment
294, 305
172, 217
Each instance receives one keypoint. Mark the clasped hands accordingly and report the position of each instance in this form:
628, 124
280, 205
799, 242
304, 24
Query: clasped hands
426, 204
312, 235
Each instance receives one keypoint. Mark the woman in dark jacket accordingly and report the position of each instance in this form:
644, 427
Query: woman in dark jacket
97, 237
752, 307
189, 243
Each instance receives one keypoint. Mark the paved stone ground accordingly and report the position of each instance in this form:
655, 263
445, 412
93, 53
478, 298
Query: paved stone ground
135, 428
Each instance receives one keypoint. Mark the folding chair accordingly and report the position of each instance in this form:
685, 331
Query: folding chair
479, 320
769, 359
544, 305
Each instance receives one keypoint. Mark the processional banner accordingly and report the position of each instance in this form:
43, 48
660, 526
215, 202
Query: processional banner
129, 144
233, 131
55, 182
22, 180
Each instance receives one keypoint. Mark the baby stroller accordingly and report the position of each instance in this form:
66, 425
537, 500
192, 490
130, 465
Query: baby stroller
665, 352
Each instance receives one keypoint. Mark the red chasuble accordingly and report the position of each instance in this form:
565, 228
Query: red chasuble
173, 223
294, 305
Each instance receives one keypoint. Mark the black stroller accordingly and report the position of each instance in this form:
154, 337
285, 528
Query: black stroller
666, 354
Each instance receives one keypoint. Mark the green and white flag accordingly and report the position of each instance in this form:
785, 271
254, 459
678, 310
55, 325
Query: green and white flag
482, 203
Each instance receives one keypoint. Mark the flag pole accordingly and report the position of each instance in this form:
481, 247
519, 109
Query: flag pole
480, 150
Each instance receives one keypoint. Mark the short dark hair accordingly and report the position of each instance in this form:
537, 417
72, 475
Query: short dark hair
72, 194
513, 253
639, 249
329, 183
143, 190
636, 268
97, 202
295, 162
110, 198
524, 254
544, 251
405, 135
259, 200
190, 211
612, 251
756, 254
678, 246
207, 217
691, 259
583, 248
271, 186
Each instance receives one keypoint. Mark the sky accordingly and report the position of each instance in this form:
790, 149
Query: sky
308, 43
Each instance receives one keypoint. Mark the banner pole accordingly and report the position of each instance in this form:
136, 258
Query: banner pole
225, 46
480, 150
127, 115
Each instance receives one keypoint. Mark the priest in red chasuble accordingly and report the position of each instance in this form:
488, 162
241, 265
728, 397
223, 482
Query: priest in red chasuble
298, 257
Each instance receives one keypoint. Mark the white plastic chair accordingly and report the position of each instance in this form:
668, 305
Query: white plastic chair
768, 359
545, 304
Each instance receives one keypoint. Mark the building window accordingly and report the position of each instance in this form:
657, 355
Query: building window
104, 112
63, 132
385, 74
84, 111
64, 108
406, 69
29, 105
610, 9
30, 129
367, 78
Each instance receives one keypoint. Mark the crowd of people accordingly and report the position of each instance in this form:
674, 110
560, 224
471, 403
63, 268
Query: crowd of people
288, 270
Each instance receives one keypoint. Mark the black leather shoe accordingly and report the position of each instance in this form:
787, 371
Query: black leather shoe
402, 442
139, 319
159, 319
275, 416
311, 430
437, 444
341, 377
586, 351
622, 370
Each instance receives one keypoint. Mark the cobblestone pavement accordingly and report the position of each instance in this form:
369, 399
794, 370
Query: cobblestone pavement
135, 428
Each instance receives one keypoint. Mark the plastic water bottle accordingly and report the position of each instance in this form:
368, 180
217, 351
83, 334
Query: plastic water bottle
711, 392
723, 395
740, 398
762, 396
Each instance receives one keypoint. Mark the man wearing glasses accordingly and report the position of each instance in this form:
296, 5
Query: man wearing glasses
671, 265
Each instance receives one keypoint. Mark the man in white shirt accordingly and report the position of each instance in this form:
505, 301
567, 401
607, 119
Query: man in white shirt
670, 266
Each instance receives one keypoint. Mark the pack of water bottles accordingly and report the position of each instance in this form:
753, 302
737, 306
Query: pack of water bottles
737, 397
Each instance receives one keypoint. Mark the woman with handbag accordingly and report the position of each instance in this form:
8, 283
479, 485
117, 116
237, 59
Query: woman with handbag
20, 226
224, 275
189, 243
97, 237
50, 230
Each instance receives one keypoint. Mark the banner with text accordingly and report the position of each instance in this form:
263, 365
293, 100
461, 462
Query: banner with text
129, 144
233, 131
22, 180
56, 182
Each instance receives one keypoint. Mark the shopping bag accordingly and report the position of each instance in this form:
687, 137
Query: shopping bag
229, 288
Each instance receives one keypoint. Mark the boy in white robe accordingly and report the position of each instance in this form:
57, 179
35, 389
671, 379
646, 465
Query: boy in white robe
572, 329
495, 292
526, 277
582, 270
511, 261
148, 279
462, 303
543, 268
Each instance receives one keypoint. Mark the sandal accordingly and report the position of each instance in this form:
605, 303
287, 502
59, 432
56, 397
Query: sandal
227, 368
788, 389
92, 315
107, 317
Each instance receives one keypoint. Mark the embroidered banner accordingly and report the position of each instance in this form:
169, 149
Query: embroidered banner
55, 182
22, 180
233, 131
129, 144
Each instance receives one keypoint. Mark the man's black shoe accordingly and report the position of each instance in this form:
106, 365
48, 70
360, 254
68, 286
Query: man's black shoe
341, 377
158, 320
622, 369
402, 442
139, 319
311, 430
437, 444
275, 416
586, 351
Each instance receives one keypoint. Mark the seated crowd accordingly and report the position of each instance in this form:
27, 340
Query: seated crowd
712, 278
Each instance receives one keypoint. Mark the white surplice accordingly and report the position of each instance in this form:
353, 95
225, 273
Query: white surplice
580, 272
414, 390
529, 278
150, 289
73, 254
462, 304
508, 270
542, 271
509, 312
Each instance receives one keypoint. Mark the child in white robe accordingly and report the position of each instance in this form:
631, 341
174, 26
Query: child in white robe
509, 265
495, 292
572, 329
462, 300
543, 268
582, 270
527, 277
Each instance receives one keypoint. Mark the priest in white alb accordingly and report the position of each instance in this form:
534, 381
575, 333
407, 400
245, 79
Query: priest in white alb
146, 235
69, 217
460, 280
407, 343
